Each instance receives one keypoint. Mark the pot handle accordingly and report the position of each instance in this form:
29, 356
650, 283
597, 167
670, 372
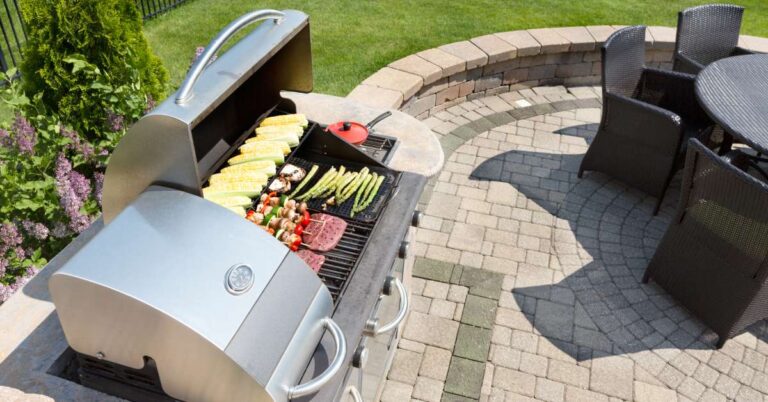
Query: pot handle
318, 382
185, 92
378, 119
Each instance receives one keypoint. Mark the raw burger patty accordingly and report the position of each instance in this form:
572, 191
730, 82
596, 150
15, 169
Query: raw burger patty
315, 261
325, 231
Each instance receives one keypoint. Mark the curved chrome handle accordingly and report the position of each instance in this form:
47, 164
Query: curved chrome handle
356, 397
185, 92
318, 382
400, 314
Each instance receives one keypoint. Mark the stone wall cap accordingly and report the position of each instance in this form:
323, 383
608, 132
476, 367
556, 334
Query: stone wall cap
648, 37
467, 51
497, 49
448, 62
600, 33
663, 37
524, 42
406, 83
414, 64
550, 40
580, 38
376, 97
755, 43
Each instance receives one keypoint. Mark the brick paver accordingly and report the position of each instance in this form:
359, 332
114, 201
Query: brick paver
528, 278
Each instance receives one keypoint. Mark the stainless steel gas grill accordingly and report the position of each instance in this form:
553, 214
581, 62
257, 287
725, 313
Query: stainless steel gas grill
178, 299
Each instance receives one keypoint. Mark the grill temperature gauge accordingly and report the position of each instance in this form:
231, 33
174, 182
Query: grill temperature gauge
239, 279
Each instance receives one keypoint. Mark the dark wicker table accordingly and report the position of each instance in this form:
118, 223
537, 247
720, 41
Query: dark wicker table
734, 92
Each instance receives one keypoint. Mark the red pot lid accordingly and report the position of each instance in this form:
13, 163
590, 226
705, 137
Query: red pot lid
350, 131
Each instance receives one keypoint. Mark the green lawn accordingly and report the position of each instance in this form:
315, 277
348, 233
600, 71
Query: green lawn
351, 39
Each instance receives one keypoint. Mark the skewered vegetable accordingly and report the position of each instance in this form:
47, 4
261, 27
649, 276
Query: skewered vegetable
287, 119
306, 180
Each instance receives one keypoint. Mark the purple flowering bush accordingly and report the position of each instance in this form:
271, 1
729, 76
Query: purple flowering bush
51, 176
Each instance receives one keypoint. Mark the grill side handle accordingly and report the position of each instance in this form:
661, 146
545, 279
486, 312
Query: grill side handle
185, 92
326, 376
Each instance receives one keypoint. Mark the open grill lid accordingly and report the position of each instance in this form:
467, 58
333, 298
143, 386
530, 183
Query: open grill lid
179, 143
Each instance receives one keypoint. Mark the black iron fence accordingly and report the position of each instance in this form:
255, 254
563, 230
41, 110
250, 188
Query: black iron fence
14, 34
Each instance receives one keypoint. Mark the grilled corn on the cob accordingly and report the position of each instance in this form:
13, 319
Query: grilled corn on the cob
266, 167
238, 176
299, 119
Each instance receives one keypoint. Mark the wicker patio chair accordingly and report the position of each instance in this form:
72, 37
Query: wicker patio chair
705, 34
647, 114
714, 256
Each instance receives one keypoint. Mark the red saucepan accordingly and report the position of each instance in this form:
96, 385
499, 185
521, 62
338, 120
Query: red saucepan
353, 132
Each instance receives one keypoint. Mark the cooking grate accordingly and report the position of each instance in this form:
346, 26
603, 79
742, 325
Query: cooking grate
345, 210
342, 260
379, 147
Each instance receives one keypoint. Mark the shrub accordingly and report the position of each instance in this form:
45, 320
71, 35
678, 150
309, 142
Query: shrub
77, 49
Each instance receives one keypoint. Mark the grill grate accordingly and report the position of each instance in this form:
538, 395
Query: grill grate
345, 210
342, 260
379, 147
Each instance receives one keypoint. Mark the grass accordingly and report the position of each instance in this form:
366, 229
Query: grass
351, 39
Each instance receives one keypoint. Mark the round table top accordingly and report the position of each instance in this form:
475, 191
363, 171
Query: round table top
734, 92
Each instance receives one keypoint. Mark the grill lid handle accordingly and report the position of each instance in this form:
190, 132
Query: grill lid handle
185, 92
318, 382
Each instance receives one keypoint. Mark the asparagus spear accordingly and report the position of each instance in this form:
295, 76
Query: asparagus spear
360, 191
363, 193
345, 182
373, 193
339, 177
327, 176
349, 190
304, 182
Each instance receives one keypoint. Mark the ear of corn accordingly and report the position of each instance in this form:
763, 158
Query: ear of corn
256, 145
282, 120
290, 137
246, 189
265, 166
220, 178
274, 154
234, 201
287, 128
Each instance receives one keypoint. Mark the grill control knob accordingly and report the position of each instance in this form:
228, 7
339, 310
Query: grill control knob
403, 252
360, 358
389, 285
416, 218
371, 326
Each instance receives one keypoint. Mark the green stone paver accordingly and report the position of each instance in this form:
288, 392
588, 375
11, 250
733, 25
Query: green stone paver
472, 343
523, 113
457, 272
450, 143
432, 269
501, 118
455, 398
465, 377
464, 132
479, 311
480, 125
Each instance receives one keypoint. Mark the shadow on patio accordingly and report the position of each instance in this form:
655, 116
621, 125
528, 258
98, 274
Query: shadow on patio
604, 235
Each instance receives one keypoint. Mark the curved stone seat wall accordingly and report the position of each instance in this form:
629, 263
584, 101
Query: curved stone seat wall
435, 79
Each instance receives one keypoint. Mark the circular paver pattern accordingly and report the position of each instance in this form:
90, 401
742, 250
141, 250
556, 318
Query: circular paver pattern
572, 320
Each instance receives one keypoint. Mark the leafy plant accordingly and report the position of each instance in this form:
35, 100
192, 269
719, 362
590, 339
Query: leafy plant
88, 58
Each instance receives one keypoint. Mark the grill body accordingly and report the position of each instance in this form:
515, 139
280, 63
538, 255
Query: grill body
145, 287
